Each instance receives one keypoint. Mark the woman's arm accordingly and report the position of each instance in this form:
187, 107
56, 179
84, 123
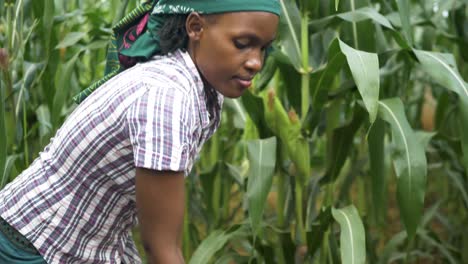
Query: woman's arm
160, 204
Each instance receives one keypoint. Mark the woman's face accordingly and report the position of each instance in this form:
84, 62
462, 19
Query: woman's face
229, 49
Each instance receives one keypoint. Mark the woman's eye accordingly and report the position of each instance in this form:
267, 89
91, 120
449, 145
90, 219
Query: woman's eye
240, 44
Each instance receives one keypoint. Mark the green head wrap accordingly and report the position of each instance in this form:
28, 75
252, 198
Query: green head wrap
136, 39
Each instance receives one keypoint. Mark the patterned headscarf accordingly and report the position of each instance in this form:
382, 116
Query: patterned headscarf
136, 37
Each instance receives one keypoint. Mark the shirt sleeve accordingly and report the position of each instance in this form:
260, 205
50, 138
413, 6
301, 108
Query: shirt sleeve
158, 123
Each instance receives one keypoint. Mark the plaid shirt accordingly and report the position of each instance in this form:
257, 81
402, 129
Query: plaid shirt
76, 202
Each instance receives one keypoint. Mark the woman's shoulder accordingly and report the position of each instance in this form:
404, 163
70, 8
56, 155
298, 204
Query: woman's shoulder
173, 70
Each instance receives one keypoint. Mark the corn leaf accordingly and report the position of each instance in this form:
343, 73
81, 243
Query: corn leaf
410, 164
266, 74
423, 234
47, 23
352, 238
290, 28
442, 68
321, 82
31, 73
377, 168
3, 138
62, 83
365, 69
459, 182
391, 247
326, 76
320, 226
404, 11
262, 157
463, 131
213, 243
358, 15
254, 107
44, 122
7, 172
366, 13
71, 39
239, 114
341, 144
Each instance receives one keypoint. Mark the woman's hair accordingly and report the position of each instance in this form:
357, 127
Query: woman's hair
173, 36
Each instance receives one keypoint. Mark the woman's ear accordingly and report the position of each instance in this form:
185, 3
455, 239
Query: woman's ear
194, 25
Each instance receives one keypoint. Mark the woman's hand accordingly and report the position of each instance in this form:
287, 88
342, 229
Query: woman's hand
160, 203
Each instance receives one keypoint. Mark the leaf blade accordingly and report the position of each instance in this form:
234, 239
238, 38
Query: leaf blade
262, 157
3, 138
409, 162
352, 237
376, 148
290, 19
212, 244
365, 13
442, 68
71, 39
365, 70
404, 11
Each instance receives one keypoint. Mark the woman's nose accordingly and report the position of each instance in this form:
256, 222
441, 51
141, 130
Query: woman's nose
255, 62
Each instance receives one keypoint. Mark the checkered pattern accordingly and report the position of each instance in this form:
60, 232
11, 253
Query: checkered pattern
76, 202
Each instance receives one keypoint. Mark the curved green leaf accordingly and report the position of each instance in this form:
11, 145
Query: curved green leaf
365, 69
459, 183
290, 25
71, 39
463, 108
212, 244
47, 23
327, 75
358, 15
31, 73
424, 137
3, 139
353, 237
62, 80
9, 164
442, 68
410, 164
365, 14
404, 11
239, 114
253, 105
320, 225
341, 144
378, 169
262, 157
391, 247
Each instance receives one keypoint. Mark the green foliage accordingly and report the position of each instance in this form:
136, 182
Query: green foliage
363, 105
262, 156
352, 235
365, 69
410, 164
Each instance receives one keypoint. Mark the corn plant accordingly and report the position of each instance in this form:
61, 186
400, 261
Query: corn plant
351, 147
355, 93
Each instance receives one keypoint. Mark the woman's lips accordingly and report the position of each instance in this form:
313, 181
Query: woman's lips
244, 82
